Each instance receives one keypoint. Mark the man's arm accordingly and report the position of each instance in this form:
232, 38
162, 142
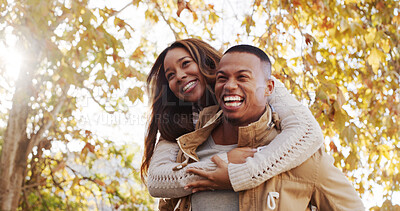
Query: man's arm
333, 190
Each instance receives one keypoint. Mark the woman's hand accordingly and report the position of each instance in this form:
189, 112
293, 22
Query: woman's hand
239, 155
217, 179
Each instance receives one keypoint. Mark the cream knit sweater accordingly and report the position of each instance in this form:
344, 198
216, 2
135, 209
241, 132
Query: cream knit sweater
300, 138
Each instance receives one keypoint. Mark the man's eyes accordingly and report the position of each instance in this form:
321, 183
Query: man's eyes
239, 77
220, 77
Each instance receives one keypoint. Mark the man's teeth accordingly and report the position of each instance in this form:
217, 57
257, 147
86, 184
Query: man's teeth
233, 101
189, 85
233, 104
232, 98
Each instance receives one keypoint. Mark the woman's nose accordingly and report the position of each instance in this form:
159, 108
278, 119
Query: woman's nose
180, 74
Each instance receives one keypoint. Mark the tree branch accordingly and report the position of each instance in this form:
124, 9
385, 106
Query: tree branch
96, 101
117, 12
36, 138
166, 21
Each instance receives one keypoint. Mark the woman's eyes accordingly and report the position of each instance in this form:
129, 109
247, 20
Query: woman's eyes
169, 76
185, 63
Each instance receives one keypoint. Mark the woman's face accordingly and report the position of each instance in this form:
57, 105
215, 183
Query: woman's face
183, 75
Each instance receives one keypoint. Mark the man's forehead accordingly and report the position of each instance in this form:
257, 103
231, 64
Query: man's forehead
239, 53
239, 61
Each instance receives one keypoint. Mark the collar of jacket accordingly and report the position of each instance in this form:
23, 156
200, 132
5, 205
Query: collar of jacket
249, 136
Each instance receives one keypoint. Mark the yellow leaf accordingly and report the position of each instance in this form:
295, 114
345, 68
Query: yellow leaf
99, 182
127, 35
385, 45
119, 22
340, 117
134, 94
114, 82
370, 37
374, 59
101, 75
340, 98
183, 5
321, 95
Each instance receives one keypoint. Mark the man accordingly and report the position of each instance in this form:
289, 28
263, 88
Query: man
242, 87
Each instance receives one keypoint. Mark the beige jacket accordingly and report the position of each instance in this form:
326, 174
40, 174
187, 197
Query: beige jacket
314, 183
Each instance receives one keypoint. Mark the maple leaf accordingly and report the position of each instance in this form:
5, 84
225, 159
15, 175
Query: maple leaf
183, 5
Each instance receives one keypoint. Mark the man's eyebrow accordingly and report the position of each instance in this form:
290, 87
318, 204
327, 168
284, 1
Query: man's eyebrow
244, 71
219, 71
179, 60
240, 71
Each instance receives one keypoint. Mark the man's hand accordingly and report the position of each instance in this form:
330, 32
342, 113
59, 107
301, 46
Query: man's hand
217, 179
239, 155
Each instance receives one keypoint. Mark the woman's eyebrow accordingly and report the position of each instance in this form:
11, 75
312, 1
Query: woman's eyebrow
179, 60
182, 58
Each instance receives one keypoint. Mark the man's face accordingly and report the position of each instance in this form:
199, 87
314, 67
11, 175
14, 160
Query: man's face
242, 88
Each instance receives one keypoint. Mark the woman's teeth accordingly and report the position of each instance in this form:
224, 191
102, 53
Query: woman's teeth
189, 85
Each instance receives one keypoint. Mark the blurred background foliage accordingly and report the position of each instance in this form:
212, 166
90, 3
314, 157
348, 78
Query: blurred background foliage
341, 58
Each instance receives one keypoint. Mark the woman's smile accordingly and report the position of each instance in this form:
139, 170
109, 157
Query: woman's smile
190, 86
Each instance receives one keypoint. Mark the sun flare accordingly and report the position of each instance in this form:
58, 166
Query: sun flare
11, 59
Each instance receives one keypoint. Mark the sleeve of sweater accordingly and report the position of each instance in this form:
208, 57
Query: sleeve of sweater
301, 137
162, 181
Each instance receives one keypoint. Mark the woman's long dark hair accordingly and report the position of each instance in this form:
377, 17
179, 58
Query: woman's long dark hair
171, 116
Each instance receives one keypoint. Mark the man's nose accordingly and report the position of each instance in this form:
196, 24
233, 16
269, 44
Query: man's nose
231, 84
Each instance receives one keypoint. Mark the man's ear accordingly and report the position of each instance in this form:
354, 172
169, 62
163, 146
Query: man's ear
270, 87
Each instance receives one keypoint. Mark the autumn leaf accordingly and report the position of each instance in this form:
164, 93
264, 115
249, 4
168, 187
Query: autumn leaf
60, 166
99, 182
114, 82
100, 75
374, 59
119, 22
134, 94
340, 97
370, 37
385, 45
309, 39
183, 5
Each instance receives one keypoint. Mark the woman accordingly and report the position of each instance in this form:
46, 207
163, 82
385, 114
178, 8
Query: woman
181, 83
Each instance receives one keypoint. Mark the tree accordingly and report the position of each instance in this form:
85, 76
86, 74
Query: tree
68, 46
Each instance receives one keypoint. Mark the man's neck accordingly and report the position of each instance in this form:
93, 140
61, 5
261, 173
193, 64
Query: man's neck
226, 133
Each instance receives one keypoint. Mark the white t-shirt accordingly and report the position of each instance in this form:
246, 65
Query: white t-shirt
221, 200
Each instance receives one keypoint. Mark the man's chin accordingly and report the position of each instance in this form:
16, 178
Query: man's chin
232, 120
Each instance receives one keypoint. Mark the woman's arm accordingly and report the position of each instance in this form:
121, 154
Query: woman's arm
301, 137
162, 180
